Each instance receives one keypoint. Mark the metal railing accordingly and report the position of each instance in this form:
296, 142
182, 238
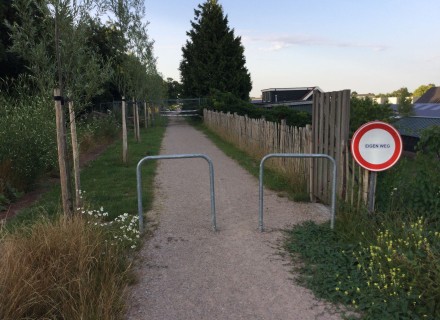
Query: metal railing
296, 155
175, 156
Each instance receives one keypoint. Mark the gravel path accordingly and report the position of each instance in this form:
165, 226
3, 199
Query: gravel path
187, 271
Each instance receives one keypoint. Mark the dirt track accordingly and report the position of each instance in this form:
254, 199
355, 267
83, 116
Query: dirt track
187, 271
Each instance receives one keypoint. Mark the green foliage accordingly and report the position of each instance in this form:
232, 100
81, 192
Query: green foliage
213, 57
79, 71
11, 65
380, 272
405, 107
365, 110
429, 142
28, 143
174, 89
107, 180
227, 102
421, 90
412, 185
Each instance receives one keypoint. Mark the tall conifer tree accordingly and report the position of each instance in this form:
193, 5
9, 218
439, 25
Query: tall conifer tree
213, 57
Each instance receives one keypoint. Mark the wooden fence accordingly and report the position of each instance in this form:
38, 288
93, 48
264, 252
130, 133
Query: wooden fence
259, 137
331, 123
329, 135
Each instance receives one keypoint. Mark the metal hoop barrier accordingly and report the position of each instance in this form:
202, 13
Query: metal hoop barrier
175, 156
297, 155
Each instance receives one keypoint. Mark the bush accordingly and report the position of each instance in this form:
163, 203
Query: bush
28, 140
412, 185
429, 142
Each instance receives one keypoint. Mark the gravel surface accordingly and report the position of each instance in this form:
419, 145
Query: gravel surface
187, 271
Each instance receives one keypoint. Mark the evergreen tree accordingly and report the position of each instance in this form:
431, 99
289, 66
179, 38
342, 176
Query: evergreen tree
213, 57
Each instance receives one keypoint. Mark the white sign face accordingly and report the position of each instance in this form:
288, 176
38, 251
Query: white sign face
376, 146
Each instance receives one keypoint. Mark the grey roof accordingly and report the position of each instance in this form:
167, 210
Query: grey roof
413, 126
430, 96
429, 110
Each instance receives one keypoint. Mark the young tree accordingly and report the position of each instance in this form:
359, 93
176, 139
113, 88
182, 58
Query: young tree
213, 57
405, 107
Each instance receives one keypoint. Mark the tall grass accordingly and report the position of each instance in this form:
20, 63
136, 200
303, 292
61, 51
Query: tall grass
60, 269
386, 264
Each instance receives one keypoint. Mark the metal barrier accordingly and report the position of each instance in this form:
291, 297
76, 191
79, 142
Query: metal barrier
297, 155
181, 113
175, 156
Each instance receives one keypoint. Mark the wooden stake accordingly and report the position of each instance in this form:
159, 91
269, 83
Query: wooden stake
66, 192
138, 129
145, 115
75, 153
124, 133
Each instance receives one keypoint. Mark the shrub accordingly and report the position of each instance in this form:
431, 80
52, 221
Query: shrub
28, 140
429, 142
413, 185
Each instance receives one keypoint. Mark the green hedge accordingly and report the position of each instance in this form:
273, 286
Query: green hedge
227, 102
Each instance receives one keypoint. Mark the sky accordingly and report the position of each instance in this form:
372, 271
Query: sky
367, 46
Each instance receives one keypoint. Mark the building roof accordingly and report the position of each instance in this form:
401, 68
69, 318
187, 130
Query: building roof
413, 126
301, 93
430, 96
430, 110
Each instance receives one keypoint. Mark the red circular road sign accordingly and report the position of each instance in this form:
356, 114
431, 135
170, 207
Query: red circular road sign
376, 146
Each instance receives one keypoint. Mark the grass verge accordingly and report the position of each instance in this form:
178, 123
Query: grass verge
57, 268
106, 181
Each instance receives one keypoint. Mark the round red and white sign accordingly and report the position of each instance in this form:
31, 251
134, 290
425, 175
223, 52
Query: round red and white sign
376, 146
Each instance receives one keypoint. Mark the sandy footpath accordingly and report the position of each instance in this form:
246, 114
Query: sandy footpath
187, 271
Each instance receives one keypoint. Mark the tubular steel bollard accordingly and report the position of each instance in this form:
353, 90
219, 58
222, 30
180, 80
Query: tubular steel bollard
175, 156
297, 155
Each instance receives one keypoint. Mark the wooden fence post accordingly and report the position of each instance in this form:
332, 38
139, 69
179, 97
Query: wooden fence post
75, 153
124, 133
145, 115
66, 192
138, 129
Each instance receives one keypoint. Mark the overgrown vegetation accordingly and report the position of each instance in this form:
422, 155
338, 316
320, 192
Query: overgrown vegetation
385, 265
54, 267
28, 148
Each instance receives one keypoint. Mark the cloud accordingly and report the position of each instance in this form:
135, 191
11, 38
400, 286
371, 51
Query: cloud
280, 42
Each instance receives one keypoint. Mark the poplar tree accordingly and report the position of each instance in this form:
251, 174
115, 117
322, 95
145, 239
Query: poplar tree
213, 57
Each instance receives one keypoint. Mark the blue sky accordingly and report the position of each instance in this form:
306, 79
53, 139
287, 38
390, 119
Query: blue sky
367, 46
